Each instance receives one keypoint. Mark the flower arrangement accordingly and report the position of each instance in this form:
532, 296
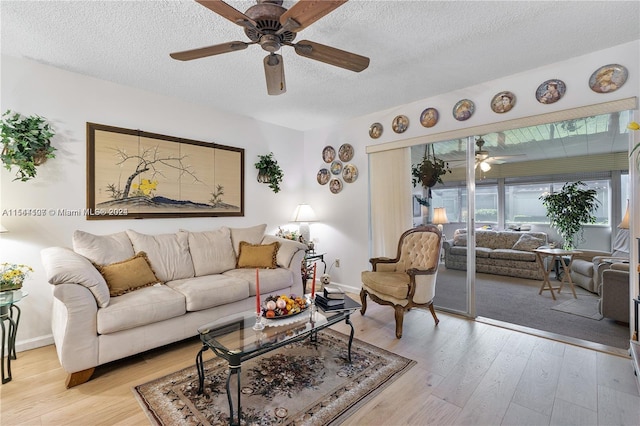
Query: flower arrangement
634, 126
289, 235
12, 275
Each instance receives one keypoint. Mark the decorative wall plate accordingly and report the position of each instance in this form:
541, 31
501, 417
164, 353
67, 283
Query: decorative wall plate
350, 173
345, 152
400, 124
323, 176
328, 154
429, 117
503, 102
608, 78
463, 110
336, 167
335, 185
550, 91
375, 130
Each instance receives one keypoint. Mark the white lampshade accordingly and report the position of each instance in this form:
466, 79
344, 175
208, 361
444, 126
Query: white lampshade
304, 214
625, 220
3, 229
439, 217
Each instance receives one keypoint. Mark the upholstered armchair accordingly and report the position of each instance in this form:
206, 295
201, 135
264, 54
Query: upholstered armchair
587, 268
408, 280
614, 291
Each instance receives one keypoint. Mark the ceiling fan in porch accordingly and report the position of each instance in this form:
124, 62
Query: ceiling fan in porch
484, 159
272, 26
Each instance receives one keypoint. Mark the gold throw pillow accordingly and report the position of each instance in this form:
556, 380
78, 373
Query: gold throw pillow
128, 275
257, 255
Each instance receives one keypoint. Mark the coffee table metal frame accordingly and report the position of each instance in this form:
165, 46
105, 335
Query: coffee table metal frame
239, 330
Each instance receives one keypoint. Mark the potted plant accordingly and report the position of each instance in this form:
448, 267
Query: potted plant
569, 209
428, 172
26, 143
269, 171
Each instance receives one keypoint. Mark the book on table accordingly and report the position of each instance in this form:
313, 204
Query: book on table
325, 303
333, 292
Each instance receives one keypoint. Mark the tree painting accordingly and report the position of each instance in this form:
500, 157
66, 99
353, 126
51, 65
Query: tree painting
150, 175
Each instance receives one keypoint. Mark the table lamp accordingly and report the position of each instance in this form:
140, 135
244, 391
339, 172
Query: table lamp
440, 218
625, 220
304, 214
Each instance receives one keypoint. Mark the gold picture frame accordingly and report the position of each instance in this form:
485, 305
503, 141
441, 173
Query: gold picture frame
136, 174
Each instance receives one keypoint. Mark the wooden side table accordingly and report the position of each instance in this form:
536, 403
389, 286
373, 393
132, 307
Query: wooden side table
555, 255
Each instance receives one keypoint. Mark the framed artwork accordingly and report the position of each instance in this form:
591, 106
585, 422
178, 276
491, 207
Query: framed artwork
345, 152
375, 130
429, 117
463, 110
400, 124
608, 78
503, 102
328, 154
550, 91
350, 173
335, 185
323, 176
136, 174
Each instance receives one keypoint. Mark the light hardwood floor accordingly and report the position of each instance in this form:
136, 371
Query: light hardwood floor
468, 372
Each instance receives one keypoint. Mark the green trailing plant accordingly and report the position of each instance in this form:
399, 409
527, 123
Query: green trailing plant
569, 209
269, 171
26, 143
428, 172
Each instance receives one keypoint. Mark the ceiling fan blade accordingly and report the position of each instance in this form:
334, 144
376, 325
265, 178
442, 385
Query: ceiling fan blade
274, 73
331, 55
306, 12
203, 52
228, 12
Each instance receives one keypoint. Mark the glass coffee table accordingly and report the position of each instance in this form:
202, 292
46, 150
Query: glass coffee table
235, 340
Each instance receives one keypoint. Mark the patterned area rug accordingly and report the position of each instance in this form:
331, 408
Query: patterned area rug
299, 384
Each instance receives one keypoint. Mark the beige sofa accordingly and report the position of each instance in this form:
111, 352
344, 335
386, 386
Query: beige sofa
197, 282
497, 252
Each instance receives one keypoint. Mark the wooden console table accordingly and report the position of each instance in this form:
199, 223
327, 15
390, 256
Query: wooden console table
552, 255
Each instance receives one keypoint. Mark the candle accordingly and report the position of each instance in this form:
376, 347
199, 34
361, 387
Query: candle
313, 283
258, 310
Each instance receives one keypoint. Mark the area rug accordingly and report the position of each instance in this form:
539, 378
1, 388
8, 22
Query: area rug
301, 383
584, 306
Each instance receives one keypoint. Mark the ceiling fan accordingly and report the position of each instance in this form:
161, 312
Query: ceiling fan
484, 159
272, 26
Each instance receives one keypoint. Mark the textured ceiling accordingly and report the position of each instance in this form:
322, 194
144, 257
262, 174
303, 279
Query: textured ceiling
418, 49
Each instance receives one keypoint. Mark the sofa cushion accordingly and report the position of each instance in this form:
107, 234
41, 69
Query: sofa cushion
66, 266
168, 254
210, 290
583, 267
460, 239
271, 280
252, 235
211, 251
483, 252
146, 306
286, 251
128, 275
528, 242
258, 255
103, 249
509, 254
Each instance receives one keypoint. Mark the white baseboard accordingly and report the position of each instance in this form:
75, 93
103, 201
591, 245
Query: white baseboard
37, 342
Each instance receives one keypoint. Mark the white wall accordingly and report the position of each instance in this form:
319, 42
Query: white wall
344, 216
68, 101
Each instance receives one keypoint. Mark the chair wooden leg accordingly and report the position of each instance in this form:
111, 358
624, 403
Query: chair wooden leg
399, 319
433, 312
79, 377
363, 301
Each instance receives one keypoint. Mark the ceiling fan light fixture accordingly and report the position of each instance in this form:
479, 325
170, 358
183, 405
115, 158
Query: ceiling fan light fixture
484, 166
274, 73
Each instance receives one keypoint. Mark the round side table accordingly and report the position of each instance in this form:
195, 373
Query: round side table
11, 313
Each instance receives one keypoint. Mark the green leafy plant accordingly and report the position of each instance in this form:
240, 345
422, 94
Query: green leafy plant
430, 170
569, 209
269, 171
26, 143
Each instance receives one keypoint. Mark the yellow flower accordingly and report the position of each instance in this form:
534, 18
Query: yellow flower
633, 126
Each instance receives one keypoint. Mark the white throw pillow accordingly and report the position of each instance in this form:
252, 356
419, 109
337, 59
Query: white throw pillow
168, 254
103, 249
212, 251
528, 242
252, 235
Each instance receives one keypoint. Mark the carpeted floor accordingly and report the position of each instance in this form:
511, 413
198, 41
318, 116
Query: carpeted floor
516, 301
299, 384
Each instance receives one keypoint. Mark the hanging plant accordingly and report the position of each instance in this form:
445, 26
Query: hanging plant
26, 143
569, 209
269, 171
428, 172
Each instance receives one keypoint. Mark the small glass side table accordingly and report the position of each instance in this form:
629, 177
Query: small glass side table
11, 313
